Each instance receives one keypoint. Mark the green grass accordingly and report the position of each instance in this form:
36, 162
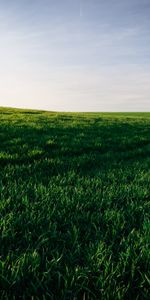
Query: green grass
74, 205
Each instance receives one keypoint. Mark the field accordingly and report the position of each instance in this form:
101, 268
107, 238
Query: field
74, 205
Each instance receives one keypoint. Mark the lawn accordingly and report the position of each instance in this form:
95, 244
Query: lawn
74, 205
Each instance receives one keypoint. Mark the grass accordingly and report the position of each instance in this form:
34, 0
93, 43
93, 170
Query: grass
74, 205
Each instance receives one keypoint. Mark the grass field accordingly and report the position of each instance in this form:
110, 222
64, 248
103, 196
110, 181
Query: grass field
74, 205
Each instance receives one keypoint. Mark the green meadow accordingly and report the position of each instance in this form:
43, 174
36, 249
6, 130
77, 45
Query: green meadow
74, 205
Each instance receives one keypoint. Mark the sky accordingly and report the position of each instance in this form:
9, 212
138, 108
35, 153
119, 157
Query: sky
75, 55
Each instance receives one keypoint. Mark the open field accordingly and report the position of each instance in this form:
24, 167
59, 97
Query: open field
74, 205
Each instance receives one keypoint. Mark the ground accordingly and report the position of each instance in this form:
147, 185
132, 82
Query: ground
74, 205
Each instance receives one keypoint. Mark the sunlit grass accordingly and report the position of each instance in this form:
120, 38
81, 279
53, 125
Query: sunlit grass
74, 205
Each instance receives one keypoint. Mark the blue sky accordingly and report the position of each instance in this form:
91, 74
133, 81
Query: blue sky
75, 55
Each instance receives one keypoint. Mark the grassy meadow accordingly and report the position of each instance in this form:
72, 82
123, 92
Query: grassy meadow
74, 205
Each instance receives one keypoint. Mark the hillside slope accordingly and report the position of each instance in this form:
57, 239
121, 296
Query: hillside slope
74, 205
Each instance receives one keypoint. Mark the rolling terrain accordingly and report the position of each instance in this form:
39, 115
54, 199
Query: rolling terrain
74, 205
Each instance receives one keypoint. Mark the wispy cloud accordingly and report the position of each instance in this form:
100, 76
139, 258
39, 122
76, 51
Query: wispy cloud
75, 55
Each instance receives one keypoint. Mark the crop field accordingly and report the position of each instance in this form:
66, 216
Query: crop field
74, 205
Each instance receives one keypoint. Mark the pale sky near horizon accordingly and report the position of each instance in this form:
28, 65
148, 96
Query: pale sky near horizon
75, 55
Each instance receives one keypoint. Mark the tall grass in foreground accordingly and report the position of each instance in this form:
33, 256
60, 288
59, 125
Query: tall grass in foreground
74, 205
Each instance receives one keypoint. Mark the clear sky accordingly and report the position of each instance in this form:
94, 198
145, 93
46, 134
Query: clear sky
75, 55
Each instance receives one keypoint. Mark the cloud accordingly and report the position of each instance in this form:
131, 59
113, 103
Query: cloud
54, 56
